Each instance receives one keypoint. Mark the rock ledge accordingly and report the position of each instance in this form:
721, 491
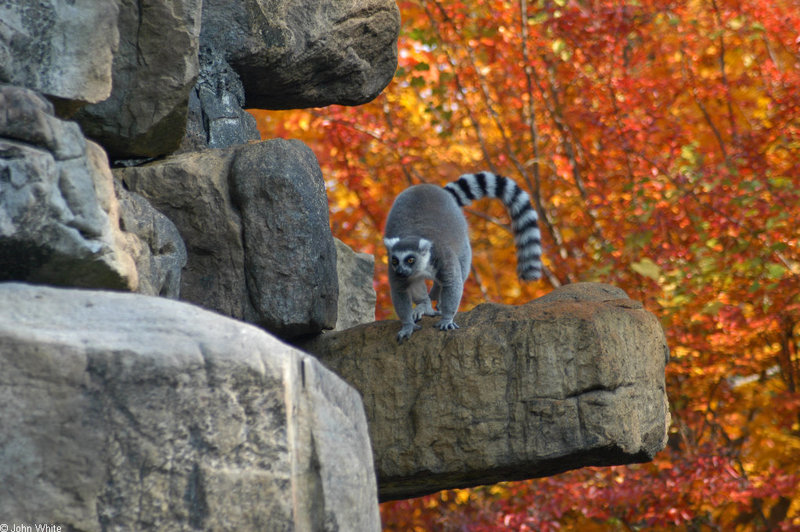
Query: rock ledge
572, 379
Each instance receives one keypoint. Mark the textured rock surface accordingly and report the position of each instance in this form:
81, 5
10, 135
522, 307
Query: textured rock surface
58, 211
356, 293
154, 243
154, 70
192, 190
292, 54
290, 257
255, 223
62, 49
572, 379
127, 412
216, 115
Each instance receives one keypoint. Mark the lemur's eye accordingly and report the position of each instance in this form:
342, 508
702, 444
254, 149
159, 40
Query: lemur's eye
410, 260
395, 262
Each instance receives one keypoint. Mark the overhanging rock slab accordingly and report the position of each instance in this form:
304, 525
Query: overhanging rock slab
572, 379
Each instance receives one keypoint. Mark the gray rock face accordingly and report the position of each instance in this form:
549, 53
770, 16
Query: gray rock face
62, 49
294, 54
58, 211
356, 294
572, 379
127, 412
154, 71
155, 245
192, 190
290, 257
255, 223
216, 115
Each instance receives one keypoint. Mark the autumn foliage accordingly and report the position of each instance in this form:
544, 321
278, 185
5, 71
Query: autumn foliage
660, 141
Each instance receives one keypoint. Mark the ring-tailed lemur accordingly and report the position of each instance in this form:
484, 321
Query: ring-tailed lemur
426, 238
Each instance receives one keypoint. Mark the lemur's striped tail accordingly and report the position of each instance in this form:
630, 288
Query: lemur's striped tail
524, 220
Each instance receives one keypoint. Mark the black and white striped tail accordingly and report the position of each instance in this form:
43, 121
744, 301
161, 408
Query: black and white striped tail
524, 220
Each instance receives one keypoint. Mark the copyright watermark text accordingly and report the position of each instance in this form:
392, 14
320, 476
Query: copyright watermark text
36, 527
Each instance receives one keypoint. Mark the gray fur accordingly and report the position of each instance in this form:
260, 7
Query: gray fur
426, 237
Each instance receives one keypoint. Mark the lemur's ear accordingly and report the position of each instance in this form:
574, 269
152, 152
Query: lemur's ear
390, 242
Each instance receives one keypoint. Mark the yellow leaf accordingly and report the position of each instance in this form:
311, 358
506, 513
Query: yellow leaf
647, 268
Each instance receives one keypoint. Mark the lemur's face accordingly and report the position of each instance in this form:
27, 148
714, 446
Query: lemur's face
408, 257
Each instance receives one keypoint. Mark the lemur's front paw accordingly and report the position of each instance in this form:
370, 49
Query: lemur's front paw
405, 332
447, 324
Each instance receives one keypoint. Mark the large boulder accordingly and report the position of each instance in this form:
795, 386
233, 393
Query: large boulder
255, 222
290, 257
294, 54
155, 69
62, 49
58, 212
575, 378
127, 412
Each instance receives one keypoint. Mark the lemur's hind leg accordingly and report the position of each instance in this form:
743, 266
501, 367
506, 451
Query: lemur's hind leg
451, 287
419, 294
